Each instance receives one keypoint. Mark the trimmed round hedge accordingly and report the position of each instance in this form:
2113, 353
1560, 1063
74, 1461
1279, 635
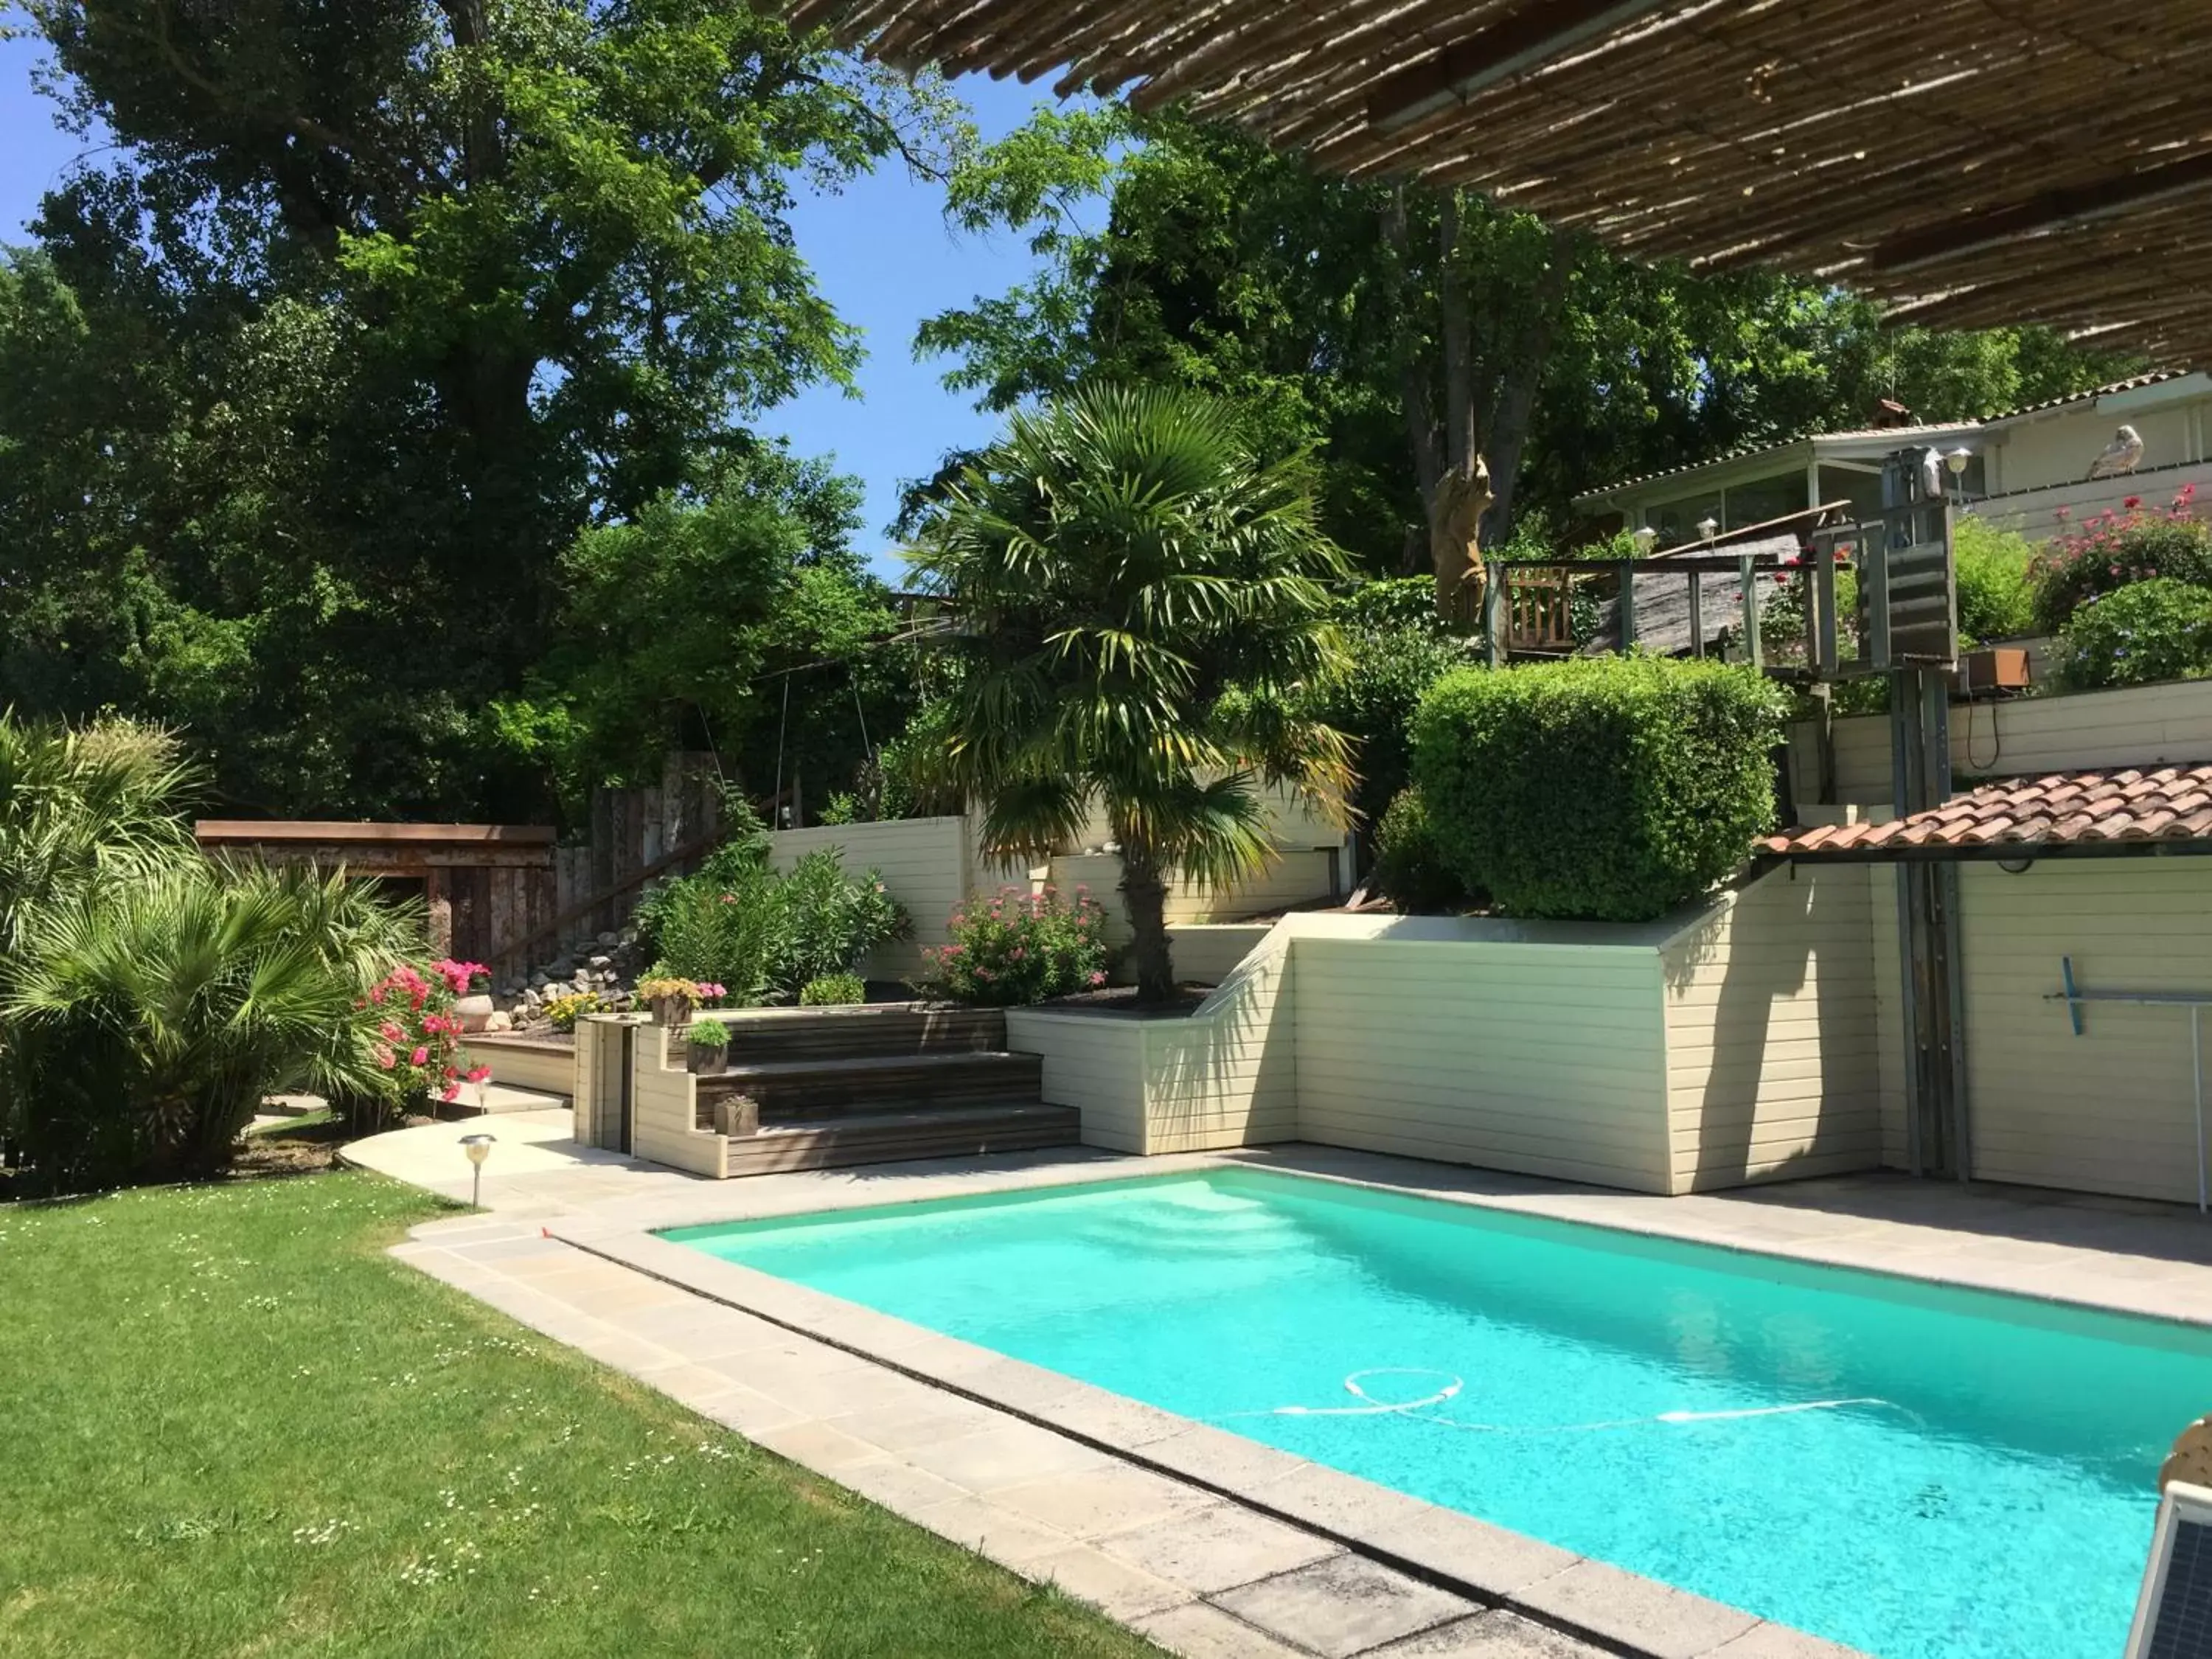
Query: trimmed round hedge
1604, 788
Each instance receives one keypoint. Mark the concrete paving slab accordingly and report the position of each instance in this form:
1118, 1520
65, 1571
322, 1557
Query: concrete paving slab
1641, 1613
1495, 1634
1199, 1630
1219, 1547
1112, 1586
1343, 1606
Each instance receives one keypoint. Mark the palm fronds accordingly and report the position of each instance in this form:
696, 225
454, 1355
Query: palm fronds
1141, 598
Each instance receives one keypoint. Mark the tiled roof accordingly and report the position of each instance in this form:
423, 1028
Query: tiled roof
2116, 810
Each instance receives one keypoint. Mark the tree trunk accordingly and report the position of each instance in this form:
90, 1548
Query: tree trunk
1146, 895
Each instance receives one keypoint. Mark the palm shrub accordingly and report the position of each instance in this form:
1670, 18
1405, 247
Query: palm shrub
1142, 602
148, 1019
79, 805
1608, 789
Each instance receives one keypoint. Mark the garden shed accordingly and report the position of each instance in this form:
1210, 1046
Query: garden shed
484, 884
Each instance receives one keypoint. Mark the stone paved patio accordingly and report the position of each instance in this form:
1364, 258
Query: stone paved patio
1210, 1544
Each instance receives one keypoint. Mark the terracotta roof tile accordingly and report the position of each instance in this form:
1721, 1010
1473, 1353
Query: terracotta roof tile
2170, 804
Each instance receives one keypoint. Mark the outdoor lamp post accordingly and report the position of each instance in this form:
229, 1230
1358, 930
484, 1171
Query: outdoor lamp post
478, 1147
1956, 461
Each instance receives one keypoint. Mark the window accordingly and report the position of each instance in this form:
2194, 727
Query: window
1764, 499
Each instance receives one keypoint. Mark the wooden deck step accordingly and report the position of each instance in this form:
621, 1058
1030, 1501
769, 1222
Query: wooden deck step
830, 1088
788, 1036
893, 1136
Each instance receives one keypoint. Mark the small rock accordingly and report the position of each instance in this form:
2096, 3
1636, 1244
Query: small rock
607, 941
500, 1021
532, 1000
559, 969
539, 980
598, 962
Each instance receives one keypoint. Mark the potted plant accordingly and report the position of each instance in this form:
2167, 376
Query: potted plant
670, 999
707, 1042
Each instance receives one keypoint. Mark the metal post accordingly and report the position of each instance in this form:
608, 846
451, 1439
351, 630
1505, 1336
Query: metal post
1749, 580
2197, 1080
1697, 614
1624, 608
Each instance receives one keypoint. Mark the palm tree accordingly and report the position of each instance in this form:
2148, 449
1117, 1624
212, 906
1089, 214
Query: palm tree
1139, 597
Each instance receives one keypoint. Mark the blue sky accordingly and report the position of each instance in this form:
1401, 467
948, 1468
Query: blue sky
881, 250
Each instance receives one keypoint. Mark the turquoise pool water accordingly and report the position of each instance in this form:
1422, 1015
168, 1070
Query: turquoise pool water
1921, 1473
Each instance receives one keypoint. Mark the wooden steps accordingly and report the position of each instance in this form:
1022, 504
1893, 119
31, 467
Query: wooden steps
891, 1137
876, 1085
813, 1089
789, 1035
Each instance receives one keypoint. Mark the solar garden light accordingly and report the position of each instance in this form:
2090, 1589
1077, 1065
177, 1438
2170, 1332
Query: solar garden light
1644, 536
1956, 461
1709, 527
478, 1147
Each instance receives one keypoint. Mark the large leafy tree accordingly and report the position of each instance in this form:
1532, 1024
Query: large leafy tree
1142, 600
1455, 364
374, 308
731, 617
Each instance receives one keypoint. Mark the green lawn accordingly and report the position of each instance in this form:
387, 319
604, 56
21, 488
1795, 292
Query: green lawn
232, 1426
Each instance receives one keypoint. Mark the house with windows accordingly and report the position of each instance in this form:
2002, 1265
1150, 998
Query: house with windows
2026, 469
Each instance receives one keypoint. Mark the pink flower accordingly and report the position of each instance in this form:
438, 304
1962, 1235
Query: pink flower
1096, 978
479, 1073
384, 1057
2132, 502
390, 1030
420, 1057
450, 1091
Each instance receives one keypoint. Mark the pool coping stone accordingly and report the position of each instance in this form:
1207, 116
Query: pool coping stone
1473, 1565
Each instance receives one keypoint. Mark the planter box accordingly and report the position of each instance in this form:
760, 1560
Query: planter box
1994, 668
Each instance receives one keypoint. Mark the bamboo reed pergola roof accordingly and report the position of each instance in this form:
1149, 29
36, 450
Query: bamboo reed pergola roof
1974, 162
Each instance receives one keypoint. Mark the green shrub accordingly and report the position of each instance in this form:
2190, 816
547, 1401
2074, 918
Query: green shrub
1606, 788
833, 991
1017, 949
1412, 868
725, 924
1399, 604
1372, 700
831, 920
2159, 629
707, 1034
1996, 600
2115, 548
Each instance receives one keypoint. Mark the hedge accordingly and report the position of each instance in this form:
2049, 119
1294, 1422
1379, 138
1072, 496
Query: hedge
1606, 789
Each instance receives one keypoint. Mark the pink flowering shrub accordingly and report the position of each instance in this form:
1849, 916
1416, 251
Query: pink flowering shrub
2117, 548
417, 1042
1017, 949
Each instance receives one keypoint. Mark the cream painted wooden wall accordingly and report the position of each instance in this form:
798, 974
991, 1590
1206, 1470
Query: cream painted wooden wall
2109, 1111
1224, 1077
1773, 1033
1545, 1058
925, 865
664, 1106
2140, 725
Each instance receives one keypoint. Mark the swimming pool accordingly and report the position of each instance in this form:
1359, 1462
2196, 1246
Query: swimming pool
1920, 1471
